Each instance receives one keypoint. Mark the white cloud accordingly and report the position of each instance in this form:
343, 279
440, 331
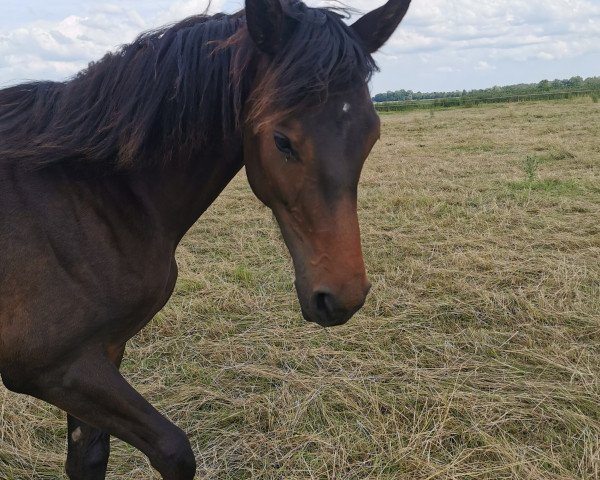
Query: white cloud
59, 49
185, 8
483, 66
514, 40
464, 35
505, 28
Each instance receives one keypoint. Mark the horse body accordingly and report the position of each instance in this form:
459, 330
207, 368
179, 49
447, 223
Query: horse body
99, 255
99, 265
87, 251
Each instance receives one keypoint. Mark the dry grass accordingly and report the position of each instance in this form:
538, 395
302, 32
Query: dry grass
477, 355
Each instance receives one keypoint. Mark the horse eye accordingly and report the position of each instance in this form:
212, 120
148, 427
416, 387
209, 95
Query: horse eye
284, 145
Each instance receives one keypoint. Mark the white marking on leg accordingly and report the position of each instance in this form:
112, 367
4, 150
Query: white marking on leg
76, 435
346, 108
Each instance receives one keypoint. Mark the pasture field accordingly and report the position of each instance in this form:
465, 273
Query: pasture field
477, 355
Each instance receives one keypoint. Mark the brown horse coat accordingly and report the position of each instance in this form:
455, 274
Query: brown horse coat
101, 176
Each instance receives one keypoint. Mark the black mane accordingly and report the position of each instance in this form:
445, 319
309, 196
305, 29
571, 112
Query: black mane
175, 90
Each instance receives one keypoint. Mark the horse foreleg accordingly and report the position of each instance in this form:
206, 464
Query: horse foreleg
88, 447
88, 451
92, 389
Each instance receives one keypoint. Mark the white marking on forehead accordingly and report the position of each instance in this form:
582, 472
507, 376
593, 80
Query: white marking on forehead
346, 108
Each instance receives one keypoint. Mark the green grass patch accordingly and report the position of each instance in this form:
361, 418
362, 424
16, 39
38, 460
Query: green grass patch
550, 186
186, 286
475, 148
243, 275
556, 156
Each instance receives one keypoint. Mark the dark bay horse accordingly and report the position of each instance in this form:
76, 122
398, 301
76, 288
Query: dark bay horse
101, 176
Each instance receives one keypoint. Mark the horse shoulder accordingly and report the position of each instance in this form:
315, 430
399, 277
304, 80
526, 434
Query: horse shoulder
77, 267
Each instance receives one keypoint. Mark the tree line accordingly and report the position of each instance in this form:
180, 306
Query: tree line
571, 84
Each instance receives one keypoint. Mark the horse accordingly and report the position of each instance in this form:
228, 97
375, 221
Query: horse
102, 175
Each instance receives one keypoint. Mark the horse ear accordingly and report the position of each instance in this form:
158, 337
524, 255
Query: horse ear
376, 27
268, 24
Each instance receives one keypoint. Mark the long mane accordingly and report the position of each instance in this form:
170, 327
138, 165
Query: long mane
175, 90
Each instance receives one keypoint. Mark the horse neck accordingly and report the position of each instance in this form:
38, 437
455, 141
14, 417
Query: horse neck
183, 193
179, 194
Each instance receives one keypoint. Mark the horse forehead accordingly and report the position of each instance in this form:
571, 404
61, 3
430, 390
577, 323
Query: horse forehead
348, 116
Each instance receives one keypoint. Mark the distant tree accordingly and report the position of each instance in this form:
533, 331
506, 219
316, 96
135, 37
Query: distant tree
592, 82
544, 85
574, 83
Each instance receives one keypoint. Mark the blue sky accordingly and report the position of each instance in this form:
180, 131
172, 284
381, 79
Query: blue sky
441, 45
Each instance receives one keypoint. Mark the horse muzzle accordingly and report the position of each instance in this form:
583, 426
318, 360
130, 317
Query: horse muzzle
329, 309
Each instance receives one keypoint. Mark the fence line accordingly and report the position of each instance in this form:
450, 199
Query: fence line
471, 102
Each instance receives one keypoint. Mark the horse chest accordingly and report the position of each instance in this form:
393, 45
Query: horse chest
135, 302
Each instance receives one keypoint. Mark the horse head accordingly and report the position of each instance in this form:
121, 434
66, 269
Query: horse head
308, 128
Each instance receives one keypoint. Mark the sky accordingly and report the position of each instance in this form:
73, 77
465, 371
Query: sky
440, 46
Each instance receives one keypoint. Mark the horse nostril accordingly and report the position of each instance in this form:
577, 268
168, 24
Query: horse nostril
325, 304
328, 311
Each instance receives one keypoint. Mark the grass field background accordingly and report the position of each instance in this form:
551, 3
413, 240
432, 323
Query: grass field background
477, 355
